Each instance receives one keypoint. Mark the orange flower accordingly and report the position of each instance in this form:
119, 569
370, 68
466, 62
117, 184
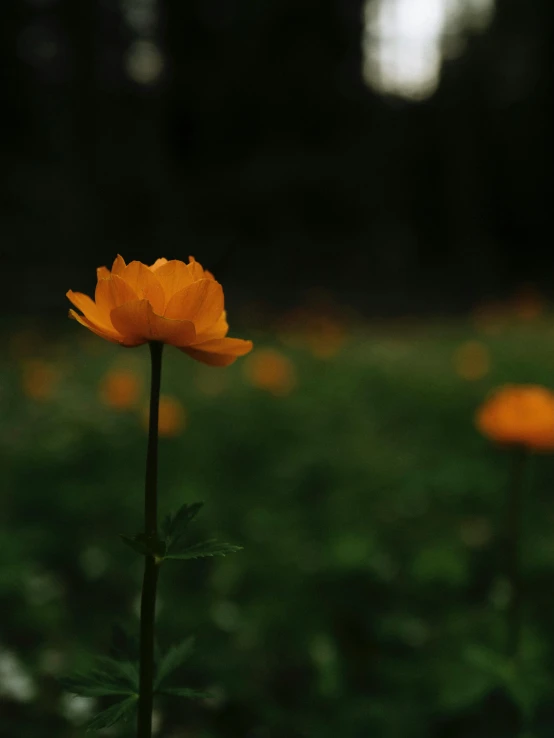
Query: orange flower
170, 302
270, 370
490, 318
120, 389
39, 379
528, 303
472, 360
326, 337
519, 415
171, 419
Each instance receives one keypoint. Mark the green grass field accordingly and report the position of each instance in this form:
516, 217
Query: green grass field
369, 600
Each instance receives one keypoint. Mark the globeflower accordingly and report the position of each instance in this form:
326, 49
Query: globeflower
169, 302
120, 389
519, 415
179, 304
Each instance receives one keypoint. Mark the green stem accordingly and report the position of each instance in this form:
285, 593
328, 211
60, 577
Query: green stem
150, 581
513, 545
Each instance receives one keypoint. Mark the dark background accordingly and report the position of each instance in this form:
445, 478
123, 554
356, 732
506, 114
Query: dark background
259, 145
371, 597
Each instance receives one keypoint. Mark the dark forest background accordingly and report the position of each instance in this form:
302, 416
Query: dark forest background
373, 597
259, 148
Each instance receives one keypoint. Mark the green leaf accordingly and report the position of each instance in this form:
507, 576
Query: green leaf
120, 711
192, 694
176, 655
106, 677
126, 671
176, 524
145, 544
78, 685
200, 550
124, 643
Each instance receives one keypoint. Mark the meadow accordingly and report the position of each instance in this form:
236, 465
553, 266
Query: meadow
369, 599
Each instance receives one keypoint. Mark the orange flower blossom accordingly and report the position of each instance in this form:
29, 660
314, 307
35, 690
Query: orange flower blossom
170, 302
519, 415
120, 388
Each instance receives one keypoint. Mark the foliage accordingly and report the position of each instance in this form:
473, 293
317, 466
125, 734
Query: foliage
369, 599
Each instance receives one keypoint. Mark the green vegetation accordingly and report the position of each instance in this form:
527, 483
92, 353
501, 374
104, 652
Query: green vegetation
369, 599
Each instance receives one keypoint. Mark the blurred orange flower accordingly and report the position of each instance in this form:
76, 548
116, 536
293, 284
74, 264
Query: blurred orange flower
326, 337
490, 318
519, 415
170, 302
528, 303
121, 388
38, 379
171, 419
271, 370
472, 360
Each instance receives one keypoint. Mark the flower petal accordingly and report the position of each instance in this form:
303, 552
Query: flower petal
174, 276
145, 284
220, 352
103, 273
112, 292
201, 302
109, 335
157, 264
89, 308
118, 265
138, 323
218, 330
196, 269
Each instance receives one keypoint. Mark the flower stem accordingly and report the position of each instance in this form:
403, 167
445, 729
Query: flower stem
148, 599
513, 546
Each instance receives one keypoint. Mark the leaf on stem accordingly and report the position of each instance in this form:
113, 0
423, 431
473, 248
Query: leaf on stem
124, 643
120, 711
202, 549
174, 657
145, 544
107, 677
175, 525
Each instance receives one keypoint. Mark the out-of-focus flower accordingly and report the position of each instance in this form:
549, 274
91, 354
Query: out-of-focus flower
170, 302
472, 360
39, 379
271, 370
323, 334
325, 337
528, 303
490, 318
519, 415
172, 417
121, 388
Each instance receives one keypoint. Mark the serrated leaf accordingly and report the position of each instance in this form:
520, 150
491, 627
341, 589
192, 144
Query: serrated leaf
192, 694
106, 677
145, 544
124, 643
78, 685
174, 657
200, 550
175, 524
120, 711
124, 670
